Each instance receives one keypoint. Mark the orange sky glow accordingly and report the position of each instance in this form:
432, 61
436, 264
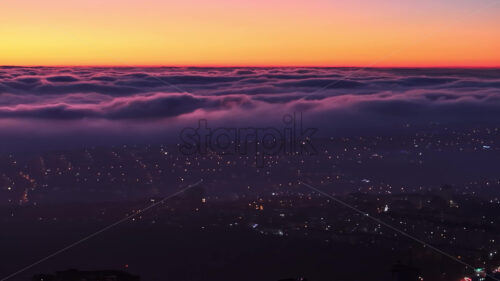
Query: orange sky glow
256, 33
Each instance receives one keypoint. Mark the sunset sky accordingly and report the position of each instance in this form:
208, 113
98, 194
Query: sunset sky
257, 33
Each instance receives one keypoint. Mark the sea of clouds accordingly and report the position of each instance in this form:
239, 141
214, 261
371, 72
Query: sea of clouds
98, 104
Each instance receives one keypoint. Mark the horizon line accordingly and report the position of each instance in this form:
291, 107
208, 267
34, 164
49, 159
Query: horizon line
258, 66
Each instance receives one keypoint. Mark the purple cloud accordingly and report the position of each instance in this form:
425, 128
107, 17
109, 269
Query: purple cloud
57, 99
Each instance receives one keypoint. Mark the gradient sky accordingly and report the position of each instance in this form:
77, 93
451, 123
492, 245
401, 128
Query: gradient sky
258, 32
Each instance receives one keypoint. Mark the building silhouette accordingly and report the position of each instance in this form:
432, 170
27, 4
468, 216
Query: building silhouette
77, 275
401, 272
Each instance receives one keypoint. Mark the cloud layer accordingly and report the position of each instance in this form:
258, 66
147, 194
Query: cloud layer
52, 99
